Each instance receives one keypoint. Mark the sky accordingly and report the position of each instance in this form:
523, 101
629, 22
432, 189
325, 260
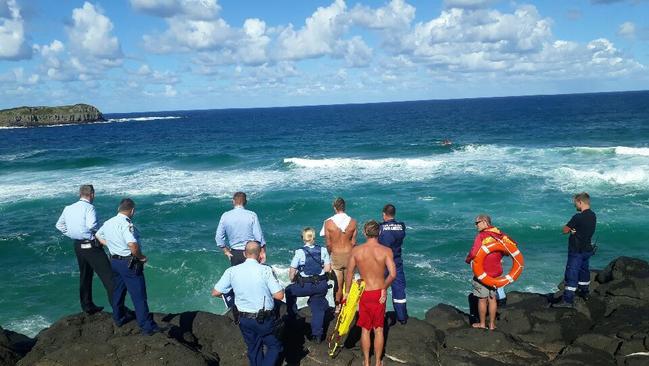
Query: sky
158, 55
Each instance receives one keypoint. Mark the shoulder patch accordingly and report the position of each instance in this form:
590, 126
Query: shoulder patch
130, 228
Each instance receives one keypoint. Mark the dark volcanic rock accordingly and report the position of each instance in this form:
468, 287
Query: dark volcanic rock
13, 346
611, 328
45, 116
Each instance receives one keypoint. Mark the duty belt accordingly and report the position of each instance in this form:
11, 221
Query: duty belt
312, 279
115, 256
263, 314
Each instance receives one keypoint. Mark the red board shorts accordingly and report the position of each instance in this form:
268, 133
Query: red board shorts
371, 311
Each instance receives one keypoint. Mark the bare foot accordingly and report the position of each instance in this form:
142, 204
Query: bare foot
492, 327
478, 325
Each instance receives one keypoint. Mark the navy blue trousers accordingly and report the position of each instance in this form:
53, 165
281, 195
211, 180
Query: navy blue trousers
131, 281
317, 302
399, 292
257, 335
577, 275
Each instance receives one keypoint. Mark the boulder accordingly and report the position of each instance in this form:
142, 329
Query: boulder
445, 317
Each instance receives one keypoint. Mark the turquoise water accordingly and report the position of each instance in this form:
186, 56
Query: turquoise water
518, 159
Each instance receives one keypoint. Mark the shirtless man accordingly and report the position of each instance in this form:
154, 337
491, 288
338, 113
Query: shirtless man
340, 235
372, 260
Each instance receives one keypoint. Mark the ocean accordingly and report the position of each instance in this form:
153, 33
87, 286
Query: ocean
519, 159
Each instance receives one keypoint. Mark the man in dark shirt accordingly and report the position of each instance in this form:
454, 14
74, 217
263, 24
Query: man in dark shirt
581, 228
391, 234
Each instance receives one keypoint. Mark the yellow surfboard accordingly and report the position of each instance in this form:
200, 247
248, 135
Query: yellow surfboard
346, 317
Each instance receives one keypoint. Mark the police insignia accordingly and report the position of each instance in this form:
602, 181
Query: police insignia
130, 228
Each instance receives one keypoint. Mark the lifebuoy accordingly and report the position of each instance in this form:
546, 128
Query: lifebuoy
505, 245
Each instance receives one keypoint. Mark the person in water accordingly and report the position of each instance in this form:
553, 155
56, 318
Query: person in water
308, 274
581, 228
372, 260
340, 235
487, 296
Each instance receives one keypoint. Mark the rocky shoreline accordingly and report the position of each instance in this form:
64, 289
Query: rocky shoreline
47, 116
611, 328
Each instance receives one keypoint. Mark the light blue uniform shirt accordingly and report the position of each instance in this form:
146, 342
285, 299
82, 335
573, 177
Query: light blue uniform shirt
299, 259
78, 221
253, 283
118, 232
239, 226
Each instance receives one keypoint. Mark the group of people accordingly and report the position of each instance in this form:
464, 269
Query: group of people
250, 288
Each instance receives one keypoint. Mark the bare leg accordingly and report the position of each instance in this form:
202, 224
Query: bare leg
482, 311
493, 306
378, 345
365, 346
340, 277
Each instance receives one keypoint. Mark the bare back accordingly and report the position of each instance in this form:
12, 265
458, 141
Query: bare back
372, 260
339, 241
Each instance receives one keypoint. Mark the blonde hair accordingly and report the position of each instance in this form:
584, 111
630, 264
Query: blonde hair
308, 235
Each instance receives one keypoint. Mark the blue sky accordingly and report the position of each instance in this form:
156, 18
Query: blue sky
149, 55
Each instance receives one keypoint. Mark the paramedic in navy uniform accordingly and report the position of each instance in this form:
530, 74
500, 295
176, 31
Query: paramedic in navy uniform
310, 263
79, 222
123, 242
255, 287
391, 234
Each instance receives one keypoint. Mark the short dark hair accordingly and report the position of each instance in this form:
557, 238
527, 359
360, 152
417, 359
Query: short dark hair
371, 229
239, 198
339, 204
86, 190
583, 197
126, 204
389, 210
253, 248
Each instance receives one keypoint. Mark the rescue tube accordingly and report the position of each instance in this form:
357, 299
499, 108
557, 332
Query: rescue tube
505, 245
346, 317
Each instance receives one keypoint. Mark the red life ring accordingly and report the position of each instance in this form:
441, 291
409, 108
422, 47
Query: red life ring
505, 245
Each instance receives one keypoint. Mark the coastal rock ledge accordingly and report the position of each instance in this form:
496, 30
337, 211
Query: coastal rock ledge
47, 116
611, 328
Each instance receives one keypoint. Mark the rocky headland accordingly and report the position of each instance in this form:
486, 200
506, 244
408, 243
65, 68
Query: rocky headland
610, 328
47, 116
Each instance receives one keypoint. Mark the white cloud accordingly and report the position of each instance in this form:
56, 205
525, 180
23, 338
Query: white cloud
90, 32
190, 9
170, 91
13, 41
394, 16
627, 30
468, 4
317, 37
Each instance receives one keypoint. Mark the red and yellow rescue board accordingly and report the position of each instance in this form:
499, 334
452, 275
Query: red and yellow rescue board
494, 244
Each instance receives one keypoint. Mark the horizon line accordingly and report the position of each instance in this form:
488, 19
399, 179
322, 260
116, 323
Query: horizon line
384, 102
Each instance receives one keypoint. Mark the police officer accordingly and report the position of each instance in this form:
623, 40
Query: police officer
127, 262
581, 228
239, 226
307, 271
79, 222
256, 288
391, 234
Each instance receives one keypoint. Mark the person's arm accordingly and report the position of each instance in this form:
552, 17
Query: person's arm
135, 251
262, 255
326, 261
569, 228
349, 277
60, 224
279, 295
295, 263
224, 285
99, 235
291, 274
91, 219
354, 233
328, 238
392, 274
220, 238
477, 243
273, 285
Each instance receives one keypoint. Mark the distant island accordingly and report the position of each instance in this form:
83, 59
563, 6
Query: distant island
47, 116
